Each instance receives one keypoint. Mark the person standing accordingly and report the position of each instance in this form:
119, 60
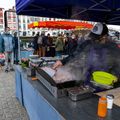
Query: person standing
98, 54
35, 44
80, 38
1, 44
1, 51
59, 46
8, 49
44, 45
40, 42
15, 48
49, 51
72, 44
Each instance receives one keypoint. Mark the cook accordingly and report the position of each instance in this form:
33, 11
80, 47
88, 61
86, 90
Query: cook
100, 54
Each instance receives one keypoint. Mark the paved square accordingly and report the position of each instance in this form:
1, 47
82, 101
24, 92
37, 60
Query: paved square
10, 108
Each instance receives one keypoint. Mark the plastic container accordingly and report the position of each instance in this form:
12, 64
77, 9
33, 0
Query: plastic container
110, 99
104, 78
102, 107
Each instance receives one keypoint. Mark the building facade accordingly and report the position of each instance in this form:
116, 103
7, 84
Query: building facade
23, 21
1, 20
11, 21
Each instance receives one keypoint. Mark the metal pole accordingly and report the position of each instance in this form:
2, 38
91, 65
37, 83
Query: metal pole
19, 56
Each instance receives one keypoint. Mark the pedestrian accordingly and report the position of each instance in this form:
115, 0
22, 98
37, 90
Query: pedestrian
35, 44
40, 43
59, 46
8, 49
15, 48
66, 40
44, 44
80, 38
1, 51
49, 51
72, 44
1, 44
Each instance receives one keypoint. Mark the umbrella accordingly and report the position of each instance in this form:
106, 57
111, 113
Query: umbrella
107, 11
60, 24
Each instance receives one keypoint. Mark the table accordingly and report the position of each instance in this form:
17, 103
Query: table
26, 53
41, 105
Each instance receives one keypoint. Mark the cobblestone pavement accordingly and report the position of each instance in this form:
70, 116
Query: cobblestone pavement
10, 108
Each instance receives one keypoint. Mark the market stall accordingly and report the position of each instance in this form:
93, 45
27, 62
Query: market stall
41, 97
41, 105
107, 11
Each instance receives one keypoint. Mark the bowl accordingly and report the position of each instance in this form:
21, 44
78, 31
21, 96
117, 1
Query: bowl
104, 78
33, 56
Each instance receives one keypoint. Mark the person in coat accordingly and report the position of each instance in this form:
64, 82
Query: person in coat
59, 46
98, 53
1, 44
8, 49
15, 48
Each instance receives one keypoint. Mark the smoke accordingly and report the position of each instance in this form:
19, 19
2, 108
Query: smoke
75, 69
95, 57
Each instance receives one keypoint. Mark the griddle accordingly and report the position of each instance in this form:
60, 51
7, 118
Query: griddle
80, 93
56, 89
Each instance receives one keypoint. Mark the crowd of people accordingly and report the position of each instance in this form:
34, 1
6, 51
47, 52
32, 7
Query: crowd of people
56, 46
9, 46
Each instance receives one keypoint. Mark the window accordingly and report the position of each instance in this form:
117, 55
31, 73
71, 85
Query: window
1, 26
1, 14
14, 14
8, 13
45, 19
15, 26
14, 19
19, 19
36, 19
1, 21
23, 20
28, 21
24, 27
19, 26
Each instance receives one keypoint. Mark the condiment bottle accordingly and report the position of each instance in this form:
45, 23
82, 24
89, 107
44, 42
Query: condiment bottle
102, 107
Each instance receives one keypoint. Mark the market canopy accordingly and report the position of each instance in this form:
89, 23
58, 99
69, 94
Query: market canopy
60, 25
91, 10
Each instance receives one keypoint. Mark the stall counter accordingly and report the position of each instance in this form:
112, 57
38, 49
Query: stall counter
41, 105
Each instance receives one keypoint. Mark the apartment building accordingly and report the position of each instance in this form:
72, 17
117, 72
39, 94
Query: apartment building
12, 22
11, 19
1, 19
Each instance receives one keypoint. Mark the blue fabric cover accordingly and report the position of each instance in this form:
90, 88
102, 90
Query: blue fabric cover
91, 10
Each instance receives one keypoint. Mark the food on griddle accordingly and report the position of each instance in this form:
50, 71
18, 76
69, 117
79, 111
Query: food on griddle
49, 71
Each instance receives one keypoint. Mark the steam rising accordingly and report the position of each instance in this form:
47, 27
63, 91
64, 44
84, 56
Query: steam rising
92, 58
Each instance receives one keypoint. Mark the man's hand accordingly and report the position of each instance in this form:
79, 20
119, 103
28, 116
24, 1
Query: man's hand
57, 64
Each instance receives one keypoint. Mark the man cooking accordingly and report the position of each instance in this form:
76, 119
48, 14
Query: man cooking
96, 54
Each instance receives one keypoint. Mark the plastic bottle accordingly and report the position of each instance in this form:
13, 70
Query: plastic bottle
102, 107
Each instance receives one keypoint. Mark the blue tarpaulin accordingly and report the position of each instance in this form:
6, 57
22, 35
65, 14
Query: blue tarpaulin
91, 10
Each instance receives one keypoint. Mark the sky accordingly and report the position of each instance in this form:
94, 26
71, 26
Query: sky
7, 4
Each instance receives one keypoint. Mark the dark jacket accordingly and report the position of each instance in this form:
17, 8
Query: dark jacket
75, 51
59, 44
35, 43
1, 44
103, 57
15, 43
71, 46
44, 41
8, 42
